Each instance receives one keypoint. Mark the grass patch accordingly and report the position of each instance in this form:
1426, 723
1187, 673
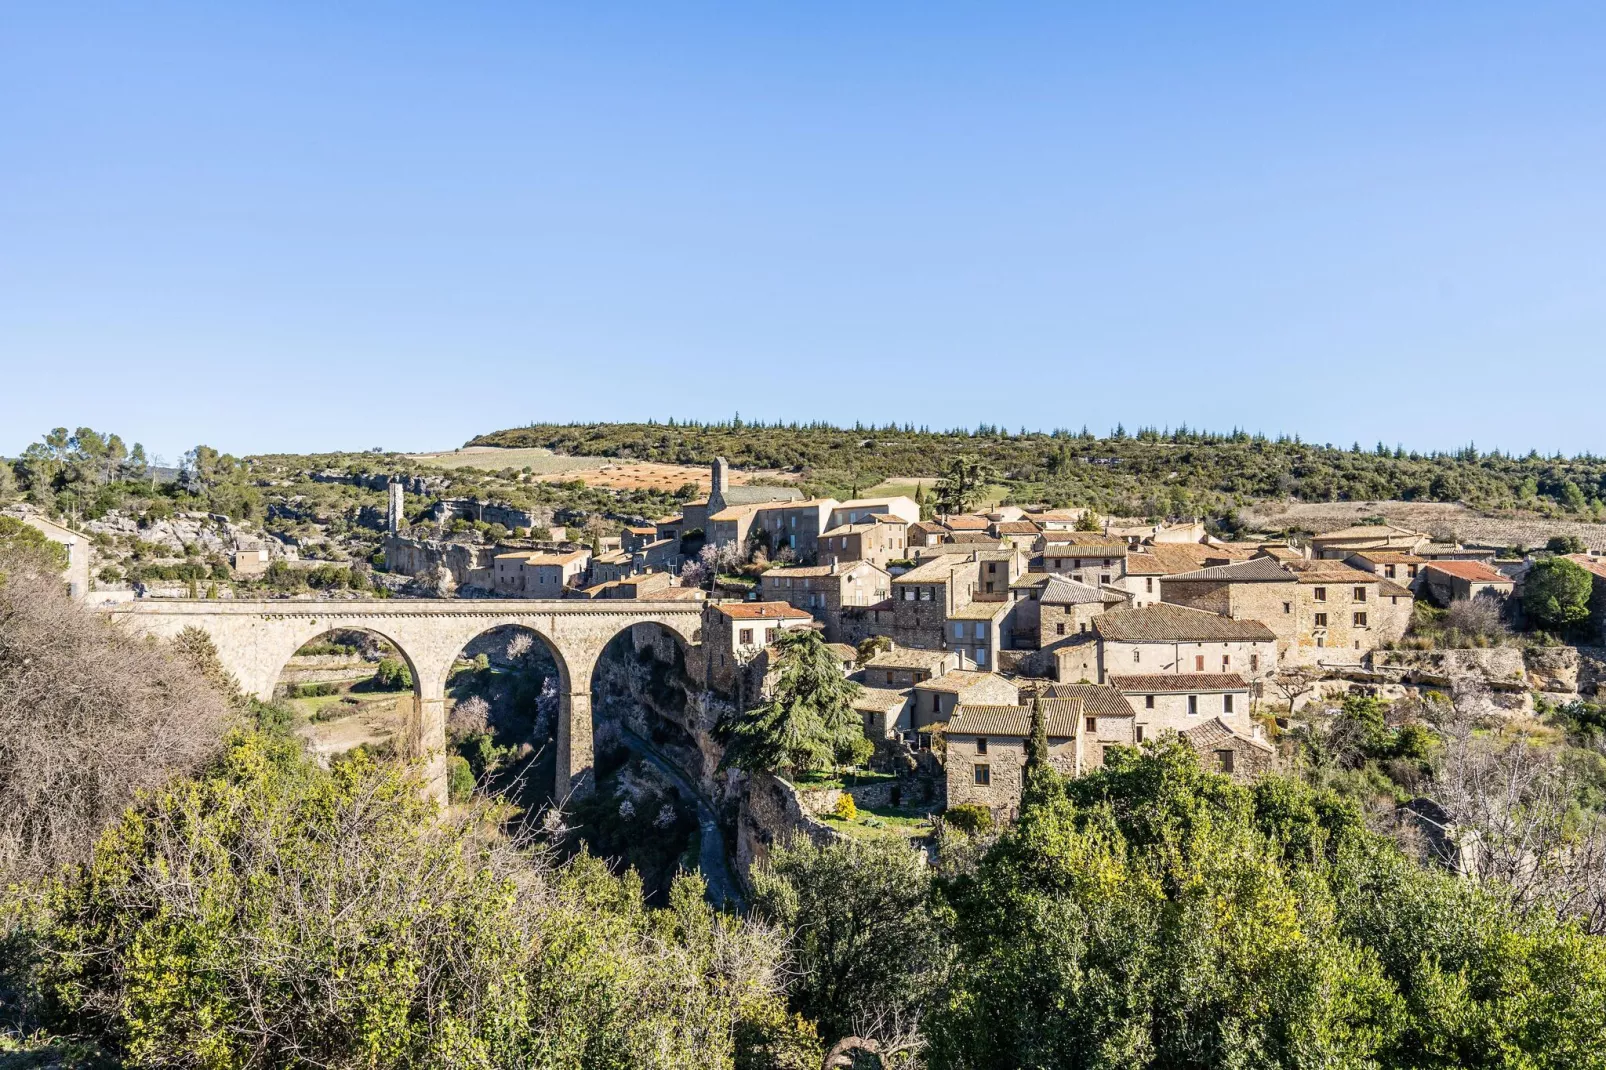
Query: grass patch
821, 779
883, 822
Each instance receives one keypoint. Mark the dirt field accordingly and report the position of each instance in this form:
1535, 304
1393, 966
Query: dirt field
595, 471
1439, 519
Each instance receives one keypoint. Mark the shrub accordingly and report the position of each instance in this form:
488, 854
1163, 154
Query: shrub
393, 674
845, 807
459, 779
320, 690
275, 914
969, 818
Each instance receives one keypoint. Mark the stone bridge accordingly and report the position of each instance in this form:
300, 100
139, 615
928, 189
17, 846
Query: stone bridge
255, 640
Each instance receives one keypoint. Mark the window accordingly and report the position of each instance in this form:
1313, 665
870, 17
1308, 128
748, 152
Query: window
1224, 760
981, 655
925, 594
1092, 724
1226, 663
1193, 705
1226, 703
1137, 734
1198, 663
1321, 620
1360, 620
1319, 594
1106, 562
1360, 594
1288, 607
1059, 629
745, 637
1388, 570
959, 629
981, 744
1148, 702
1077, 576
1083, 627
983, 774
1148, 585
992, 566
1254, 663
1137, 655
989, 587
908, 594
981, 629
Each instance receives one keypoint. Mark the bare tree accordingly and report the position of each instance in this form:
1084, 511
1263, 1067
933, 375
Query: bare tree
1293, 683
1519, 802
89, 717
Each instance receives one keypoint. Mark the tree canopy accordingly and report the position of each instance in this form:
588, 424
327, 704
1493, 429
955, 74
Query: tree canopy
807, 721
1555, 593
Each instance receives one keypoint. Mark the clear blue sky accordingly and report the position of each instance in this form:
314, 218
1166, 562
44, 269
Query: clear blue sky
301, 225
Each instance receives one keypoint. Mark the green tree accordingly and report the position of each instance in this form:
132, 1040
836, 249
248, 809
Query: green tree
1555, 594
868, 939
1565, 544
807, 720
25, 543
393, 674
963, 480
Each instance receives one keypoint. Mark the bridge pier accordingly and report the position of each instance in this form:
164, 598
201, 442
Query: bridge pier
427, 740
574, 776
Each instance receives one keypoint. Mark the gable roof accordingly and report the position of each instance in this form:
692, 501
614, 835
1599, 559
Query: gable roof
1061, 717
1255, 570
964, 522
979, 610
933, 570
1163, 622
879, 699
760, 611
1214, 732
842, 568
747, 494
1060, 591
957, 680
910, 657
1472, 571
1097, 701
1595, 565
1157, 683
1388, 557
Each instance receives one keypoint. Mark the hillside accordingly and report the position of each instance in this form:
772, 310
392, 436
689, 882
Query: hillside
1148, 473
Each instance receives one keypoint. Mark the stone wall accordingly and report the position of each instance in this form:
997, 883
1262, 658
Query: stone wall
769, 813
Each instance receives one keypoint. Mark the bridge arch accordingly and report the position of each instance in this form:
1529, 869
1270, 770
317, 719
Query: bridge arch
255, 640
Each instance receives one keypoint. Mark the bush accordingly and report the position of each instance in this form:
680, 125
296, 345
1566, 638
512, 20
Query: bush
393, 674
969, 818
1565, 544
845, 808
1556, 593
322, 690
275, 914
459, 779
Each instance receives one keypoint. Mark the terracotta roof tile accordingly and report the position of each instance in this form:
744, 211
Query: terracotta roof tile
1061, 716
1163, 622
761, 611
1473, 571
1096, 701
1169, 683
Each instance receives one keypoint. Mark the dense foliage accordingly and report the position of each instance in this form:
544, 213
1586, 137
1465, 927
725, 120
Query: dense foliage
1555, 593
807, 721
1147, 473
273, 914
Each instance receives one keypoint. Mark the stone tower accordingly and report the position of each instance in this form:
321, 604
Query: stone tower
722, 483
393, 511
